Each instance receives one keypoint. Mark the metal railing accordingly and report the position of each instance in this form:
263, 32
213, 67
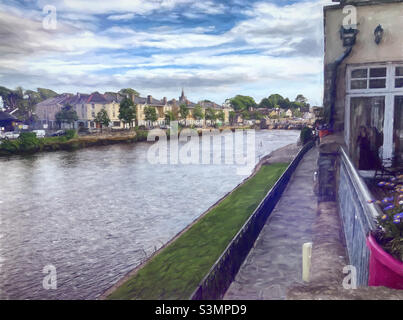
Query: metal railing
223, 272
357, 215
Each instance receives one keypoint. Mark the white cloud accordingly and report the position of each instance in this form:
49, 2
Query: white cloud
286, 41
117, 17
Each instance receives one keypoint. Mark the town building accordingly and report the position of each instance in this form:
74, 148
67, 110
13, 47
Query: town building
364, 74
87, 107
8, 122
363, 107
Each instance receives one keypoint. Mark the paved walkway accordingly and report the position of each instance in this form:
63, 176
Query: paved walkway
275, 262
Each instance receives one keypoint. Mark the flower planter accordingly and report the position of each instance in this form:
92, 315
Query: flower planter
384, 270
324, 133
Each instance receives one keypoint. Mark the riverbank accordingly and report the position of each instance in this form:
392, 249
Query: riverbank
175, 270
75, 142
71, 142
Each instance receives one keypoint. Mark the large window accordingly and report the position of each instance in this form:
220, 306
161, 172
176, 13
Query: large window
374, 116
368, 78
398, 77
367, 122
398, 130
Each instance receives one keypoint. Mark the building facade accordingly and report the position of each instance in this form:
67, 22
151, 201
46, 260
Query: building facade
87, 107
363, 75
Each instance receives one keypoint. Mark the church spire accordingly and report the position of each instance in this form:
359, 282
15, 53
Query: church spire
182, 97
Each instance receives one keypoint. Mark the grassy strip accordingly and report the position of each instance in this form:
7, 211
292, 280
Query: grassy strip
178, 269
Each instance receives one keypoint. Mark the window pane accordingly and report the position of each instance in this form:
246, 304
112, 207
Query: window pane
366, 131
378, 83
398, 131
358, 84
399, 83
377, 72
399, 71
359, 73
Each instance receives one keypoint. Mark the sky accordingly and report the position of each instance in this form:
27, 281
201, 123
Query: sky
214, 49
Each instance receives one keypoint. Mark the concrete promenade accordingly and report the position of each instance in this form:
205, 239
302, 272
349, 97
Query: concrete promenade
275, 262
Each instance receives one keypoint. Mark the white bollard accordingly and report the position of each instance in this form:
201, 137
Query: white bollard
306, 260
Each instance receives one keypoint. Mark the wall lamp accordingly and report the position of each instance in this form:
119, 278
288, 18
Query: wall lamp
378, 33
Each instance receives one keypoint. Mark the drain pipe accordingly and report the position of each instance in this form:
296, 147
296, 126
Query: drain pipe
333, 85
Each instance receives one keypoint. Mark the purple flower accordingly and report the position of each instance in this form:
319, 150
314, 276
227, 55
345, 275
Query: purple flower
389, 207
398, 215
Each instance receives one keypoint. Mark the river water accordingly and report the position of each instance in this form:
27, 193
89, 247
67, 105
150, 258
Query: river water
92, 215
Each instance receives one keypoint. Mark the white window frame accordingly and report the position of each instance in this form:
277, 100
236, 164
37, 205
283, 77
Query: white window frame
389, 93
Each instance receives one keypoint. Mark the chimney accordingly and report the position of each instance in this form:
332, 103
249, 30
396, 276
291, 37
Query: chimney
149, 99
164, 100
132, 97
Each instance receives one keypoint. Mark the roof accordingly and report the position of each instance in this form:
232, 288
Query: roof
140, 100
4, 116
61, 100
113, 97
96, 97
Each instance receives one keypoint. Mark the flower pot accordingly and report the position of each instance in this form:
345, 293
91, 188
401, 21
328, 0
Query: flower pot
384, 270
324, 133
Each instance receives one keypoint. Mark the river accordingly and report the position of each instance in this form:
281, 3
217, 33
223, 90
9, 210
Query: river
94, 214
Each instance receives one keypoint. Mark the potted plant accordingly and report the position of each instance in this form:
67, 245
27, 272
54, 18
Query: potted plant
386, 242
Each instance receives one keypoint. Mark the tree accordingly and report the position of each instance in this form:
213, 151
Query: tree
245, 115
128, 92
210, 114
26, 106
66, 115
232, 116
277, 100
170, 116
198, 112
102, 118
221, 116
297, 113
266, 103
183, 111
127, 111
150, 114
301, 99
46, 93
240, 103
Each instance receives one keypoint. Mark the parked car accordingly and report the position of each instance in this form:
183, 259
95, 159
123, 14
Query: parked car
58, 133
39, 133
11, 135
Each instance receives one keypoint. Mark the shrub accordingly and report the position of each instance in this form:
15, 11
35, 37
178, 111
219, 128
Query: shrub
70, 134
141, 135
28, 142
10, 146
305, 135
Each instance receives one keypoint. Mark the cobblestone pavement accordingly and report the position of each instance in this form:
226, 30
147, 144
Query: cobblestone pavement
275, 262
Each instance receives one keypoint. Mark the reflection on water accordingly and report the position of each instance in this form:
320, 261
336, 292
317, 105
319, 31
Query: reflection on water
95, 213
